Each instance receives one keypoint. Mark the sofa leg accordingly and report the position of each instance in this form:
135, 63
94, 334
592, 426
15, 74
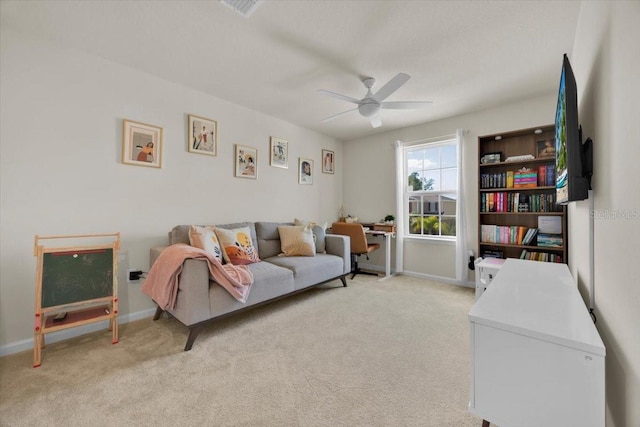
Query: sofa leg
193, 333
159, 312
344, 281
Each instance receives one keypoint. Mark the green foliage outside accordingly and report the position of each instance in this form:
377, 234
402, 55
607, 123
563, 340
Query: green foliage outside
419, 183
430, 225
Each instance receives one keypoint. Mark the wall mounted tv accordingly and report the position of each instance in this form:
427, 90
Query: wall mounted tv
573, 158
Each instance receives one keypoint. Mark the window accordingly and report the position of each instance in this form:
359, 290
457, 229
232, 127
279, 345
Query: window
431, 193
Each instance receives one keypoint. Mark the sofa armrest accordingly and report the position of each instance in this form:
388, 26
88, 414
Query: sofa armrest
339, 245
192, 305
154, 253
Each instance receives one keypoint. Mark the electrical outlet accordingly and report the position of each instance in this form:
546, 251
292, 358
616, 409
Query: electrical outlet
133, 275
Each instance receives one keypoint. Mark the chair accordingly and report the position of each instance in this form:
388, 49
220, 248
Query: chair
359, 244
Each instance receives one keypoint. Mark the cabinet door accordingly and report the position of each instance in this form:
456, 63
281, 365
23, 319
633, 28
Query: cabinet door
524, 381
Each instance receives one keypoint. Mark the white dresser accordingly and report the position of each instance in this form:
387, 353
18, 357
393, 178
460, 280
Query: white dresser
537, 358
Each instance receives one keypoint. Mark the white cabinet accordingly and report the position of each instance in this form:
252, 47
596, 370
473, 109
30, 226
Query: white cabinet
537, 358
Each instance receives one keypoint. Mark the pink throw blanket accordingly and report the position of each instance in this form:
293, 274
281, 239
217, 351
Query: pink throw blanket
161, 284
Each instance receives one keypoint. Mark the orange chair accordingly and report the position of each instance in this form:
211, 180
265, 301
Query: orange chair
359, 244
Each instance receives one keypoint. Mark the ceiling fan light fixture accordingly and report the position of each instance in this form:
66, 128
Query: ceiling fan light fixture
243, 7
369, 109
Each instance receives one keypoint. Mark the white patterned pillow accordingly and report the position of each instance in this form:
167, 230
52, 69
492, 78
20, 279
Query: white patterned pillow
319, 233
296, 240
237, 245
205, 238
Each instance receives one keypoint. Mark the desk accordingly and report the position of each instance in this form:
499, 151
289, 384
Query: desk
387, 248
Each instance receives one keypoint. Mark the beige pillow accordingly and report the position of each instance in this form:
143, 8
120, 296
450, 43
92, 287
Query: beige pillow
205, 238
237, 246
296, 240
319, 233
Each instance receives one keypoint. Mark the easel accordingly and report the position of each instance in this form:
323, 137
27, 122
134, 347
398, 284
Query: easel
75, 286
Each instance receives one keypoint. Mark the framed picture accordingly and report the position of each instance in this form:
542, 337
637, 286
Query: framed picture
546, 148
305, 171
202, 135
246, 162
279, 149
141, 144
328, 161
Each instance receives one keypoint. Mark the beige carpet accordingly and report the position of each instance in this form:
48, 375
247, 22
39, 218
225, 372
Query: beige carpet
378, 353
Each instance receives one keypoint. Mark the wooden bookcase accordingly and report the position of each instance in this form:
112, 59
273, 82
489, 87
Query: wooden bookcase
506, 208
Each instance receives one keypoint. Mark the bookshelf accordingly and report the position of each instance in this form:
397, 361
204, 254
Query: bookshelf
516, 193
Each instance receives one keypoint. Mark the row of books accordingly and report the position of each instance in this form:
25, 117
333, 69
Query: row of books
519, 235
540, 256
506, 234
518, 202
546, 177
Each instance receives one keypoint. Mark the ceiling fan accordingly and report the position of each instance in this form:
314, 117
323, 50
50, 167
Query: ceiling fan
370, 105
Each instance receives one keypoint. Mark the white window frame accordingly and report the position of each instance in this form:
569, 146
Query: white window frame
449, 140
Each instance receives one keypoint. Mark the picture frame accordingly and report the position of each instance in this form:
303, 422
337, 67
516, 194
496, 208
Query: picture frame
202, 135
279, 153
246, 162
141, 144
328, 161
305, 171
546, 149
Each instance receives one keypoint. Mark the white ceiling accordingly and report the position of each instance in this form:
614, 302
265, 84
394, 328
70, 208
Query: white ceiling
462, 55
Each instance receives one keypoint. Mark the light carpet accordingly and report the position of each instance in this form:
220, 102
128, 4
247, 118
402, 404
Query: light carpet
377, 353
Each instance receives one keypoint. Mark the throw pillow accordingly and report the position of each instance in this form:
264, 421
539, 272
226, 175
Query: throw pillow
319, 233
296, 240
237, 245
205, 238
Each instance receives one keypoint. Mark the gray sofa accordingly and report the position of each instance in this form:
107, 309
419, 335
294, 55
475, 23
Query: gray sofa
200, 301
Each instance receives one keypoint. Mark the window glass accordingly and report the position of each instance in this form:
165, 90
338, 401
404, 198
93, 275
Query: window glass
431, 190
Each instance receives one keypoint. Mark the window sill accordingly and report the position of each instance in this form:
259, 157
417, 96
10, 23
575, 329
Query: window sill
431, 240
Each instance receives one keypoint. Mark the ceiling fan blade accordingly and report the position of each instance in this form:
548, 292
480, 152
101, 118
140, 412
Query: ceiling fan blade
375, 120
391, 86
405, 104
337, 115
339, 96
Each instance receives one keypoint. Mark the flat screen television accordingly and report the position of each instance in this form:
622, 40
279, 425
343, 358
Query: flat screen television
573, 158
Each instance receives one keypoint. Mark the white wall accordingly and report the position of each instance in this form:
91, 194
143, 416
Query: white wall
606, 63
61, 136
369, 180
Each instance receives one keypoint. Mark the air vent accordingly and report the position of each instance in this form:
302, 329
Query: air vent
243, 7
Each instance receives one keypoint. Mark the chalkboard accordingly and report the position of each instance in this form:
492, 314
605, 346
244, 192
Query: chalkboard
74, 276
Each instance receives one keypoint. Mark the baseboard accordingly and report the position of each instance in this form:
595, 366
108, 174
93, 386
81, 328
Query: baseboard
440, 279
27, 344
447, 280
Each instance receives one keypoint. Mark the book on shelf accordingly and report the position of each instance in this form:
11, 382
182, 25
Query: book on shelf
528, 237
551, 176
542, 175
509, 179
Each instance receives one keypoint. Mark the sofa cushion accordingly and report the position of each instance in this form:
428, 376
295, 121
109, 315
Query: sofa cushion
296, 240
237, 245
268, 238
310, 271
205, 238
269, 281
